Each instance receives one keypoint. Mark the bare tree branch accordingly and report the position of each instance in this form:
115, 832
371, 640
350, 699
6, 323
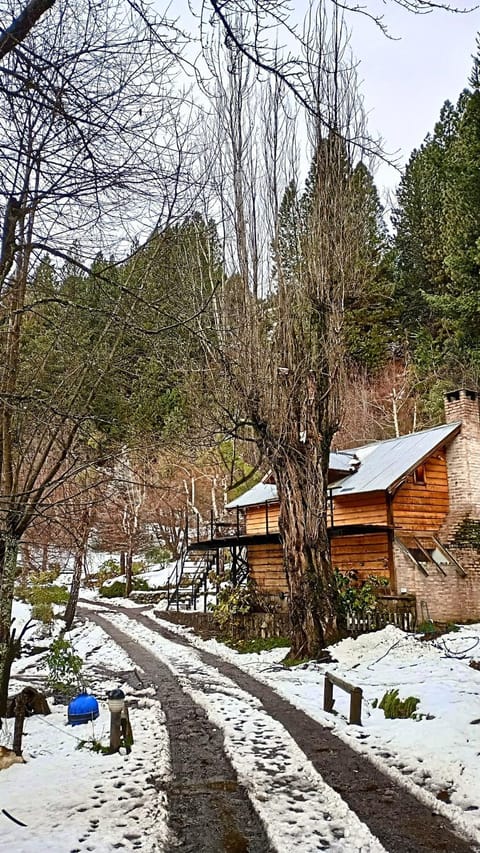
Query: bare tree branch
20, 27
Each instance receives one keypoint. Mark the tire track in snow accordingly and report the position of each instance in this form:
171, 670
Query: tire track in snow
298, 809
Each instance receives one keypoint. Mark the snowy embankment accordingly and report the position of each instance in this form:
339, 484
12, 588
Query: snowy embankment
435, 756
79, 800
70, 797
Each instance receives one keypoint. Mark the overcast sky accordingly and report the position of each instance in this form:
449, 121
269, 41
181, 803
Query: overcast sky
406, 82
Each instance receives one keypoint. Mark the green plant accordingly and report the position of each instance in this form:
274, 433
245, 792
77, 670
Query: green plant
357, 598
258, 644
41, 598
94, 746
427, 627
157, 554
109, 569
117, 588
233, 601
113, 590
293, 661
64, 668
395, 708
48, 575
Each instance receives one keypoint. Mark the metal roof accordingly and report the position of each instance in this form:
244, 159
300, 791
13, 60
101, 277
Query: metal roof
340, 460
259, 494
384, 463
374, 467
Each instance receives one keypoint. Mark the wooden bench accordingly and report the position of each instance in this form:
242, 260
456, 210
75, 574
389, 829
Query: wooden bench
355, 697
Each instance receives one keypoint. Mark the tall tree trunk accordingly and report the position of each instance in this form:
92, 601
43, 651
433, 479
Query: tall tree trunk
304, 534
8, 569
78, 568
128, 571
71, 607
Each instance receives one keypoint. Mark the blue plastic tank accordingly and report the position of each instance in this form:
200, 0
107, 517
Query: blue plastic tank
82, 709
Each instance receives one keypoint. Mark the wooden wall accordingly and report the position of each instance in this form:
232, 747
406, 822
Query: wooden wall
366, 553
369, 508
256, 518
423, 506
266, 567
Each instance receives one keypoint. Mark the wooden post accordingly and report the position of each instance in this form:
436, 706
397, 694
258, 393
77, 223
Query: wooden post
115, 730
327, 694
19, 719
356, 696
356, 706
127, 734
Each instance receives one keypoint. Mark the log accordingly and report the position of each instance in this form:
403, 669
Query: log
31, 699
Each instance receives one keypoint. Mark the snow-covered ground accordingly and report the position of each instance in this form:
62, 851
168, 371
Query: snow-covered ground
436, 754
70, 797
79, 800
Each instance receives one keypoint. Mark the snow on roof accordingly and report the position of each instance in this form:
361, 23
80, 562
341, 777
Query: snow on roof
373, 467
343, 460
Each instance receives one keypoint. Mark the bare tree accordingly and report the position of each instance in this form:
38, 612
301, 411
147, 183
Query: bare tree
91, 137
279, 347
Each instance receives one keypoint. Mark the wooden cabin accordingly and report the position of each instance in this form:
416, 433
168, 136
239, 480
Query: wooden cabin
406, 509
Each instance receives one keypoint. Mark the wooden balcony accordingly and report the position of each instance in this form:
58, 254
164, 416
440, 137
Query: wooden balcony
237, 530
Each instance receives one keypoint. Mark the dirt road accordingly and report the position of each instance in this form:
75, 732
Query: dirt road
210, 811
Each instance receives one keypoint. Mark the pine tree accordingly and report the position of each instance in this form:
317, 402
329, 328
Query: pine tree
370, 315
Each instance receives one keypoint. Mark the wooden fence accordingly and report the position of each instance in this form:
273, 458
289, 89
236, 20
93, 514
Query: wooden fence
400, 611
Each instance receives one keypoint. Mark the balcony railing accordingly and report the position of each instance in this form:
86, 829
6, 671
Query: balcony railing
232, 527
198, 530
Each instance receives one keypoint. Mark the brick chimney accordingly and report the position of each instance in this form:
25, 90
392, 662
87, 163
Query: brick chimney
463, 453
463, 405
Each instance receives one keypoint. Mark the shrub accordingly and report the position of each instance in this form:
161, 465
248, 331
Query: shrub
157, 554
109, 569
233, 601
353, 597
395, 708
117, 588
64, 668
113, 590
41, 598
427, 627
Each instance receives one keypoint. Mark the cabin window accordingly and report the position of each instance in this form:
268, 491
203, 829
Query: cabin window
419, 475
428, 553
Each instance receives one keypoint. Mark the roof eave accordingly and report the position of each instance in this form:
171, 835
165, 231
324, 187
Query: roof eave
398, 482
